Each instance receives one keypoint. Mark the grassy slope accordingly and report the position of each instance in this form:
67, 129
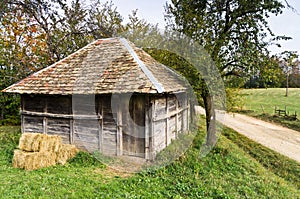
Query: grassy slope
227, 172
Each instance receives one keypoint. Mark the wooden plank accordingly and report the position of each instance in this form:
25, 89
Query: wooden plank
100, 135
71, 131
167, 122
176, 120
119, 128
22, 116
45, 125
45, 122
35, 103
170, 114
147, 130
59, 104
52, 115
188, 112
33, 124
152, 149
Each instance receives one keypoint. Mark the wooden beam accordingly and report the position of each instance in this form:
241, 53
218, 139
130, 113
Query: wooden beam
176, 119
71, 124
167, 121
152, 149
147, 128
22, 116
71, 131
170, 114
62, 116
119, 128
188, 112
45, 120
100, 133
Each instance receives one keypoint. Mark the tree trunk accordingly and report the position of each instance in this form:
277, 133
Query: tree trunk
211, 138
287, 86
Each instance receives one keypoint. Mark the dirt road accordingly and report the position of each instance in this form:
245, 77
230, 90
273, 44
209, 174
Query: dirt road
278, 138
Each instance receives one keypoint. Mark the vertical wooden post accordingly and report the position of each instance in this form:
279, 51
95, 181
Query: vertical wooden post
119, 128
147, 128
188, 112
152, 132
71, 131
22, 116
176, 119
167, 121
71, 135
184, 114
100, 133
45, 120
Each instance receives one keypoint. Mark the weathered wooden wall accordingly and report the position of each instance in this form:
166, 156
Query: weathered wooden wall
140, 127
170, 117
79, 120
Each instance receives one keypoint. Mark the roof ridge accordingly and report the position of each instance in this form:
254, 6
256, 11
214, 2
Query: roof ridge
147, 72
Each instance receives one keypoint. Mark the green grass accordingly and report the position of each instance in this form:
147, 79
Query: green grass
280, 165
260, 100
229, 171
261, 103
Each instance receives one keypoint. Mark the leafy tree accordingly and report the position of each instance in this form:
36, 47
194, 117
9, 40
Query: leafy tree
37, 33
104, 20
22, 51
269, 75
233, 32
289, 63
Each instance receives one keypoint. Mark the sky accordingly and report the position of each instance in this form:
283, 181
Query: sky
287, 24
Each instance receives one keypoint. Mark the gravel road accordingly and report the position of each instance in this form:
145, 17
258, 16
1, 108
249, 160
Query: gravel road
278, 138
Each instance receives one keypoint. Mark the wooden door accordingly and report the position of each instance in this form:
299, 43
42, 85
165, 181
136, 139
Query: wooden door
133, 131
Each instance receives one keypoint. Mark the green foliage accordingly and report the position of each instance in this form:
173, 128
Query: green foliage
85, 159
233, 99
227, 172
234, 32
35, 34
9, 139
183, 67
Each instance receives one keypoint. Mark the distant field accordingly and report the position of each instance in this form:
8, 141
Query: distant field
260, 100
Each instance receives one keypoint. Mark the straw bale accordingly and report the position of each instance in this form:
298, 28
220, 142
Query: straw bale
42, 160
18, 159
51, 143
33, 160
31, 142
66, 152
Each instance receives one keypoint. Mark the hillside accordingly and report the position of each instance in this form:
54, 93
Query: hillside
236, 168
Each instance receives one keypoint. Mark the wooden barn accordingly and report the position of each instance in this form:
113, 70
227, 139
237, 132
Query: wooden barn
109, 96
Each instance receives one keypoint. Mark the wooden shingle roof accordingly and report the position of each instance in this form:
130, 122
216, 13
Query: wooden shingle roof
111, 65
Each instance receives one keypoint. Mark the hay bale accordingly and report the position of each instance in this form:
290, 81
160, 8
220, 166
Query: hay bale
42, 160
66, 152
33, 160
31, 142
51, 143
41, 150
18, 159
